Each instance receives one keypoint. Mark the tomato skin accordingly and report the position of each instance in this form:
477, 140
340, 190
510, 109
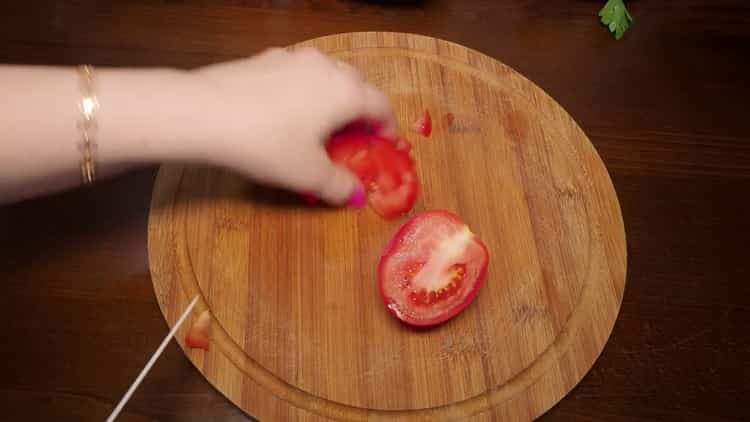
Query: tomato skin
423, 126
384, 167
199, 335
401, 308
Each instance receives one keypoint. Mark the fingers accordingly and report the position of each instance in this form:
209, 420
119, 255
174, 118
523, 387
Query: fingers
348, 69
351, 97
317, 175
377, 107
341, 187
338, 186
362, 100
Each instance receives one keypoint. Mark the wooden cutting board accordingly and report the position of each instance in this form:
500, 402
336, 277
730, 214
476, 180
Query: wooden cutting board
299, 329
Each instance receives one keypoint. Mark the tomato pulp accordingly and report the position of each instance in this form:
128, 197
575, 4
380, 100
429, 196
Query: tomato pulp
384, 166
431, 269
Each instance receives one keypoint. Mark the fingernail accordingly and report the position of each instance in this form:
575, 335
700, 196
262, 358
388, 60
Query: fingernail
357, 200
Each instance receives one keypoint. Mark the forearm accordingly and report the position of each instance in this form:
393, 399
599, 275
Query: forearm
143, 118
266, 117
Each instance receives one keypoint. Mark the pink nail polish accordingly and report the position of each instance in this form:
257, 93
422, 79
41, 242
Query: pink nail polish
357, 200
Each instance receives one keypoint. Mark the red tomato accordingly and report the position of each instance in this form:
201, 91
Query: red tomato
431, 269
199, 335
423, 126
383, 166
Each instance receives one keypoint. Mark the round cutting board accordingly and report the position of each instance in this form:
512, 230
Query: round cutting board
299, 330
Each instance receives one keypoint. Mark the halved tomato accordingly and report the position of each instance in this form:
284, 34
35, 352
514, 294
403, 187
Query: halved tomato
431, 269
383, 165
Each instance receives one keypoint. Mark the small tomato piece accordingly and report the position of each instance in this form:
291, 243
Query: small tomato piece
199, 335
423, 126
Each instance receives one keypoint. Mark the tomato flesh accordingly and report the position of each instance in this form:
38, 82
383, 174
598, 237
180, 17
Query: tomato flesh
384, 167
432, 269
199, 335
423, 126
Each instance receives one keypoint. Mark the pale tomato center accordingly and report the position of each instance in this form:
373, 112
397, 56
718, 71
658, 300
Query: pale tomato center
436, 274
452, 280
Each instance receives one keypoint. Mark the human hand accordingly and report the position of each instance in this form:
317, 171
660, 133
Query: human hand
269, 117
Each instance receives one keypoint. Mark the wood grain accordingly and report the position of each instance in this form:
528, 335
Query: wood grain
665, 108
300, 331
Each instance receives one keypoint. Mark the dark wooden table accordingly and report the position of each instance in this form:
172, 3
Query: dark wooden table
666, 107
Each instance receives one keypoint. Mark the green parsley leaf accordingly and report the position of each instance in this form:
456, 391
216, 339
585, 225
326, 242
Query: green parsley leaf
615, 16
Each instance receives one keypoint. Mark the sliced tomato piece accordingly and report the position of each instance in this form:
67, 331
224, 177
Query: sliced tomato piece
384, 167
423, 126
432, 269
199, 335
394, 192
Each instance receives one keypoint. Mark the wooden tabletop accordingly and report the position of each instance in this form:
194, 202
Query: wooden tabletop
665, 107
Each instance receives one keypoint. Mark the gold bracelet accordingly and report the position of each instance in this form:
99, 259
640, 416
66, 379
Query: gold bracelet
89, 106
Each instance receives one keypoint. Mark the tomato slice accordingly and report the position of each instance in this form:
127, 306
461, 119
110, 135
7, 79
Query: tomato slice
432, 269
384, 167
199, 335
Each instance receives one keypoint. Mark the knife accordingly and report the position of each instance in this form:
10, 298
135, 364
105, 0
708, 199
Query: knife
151, 361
